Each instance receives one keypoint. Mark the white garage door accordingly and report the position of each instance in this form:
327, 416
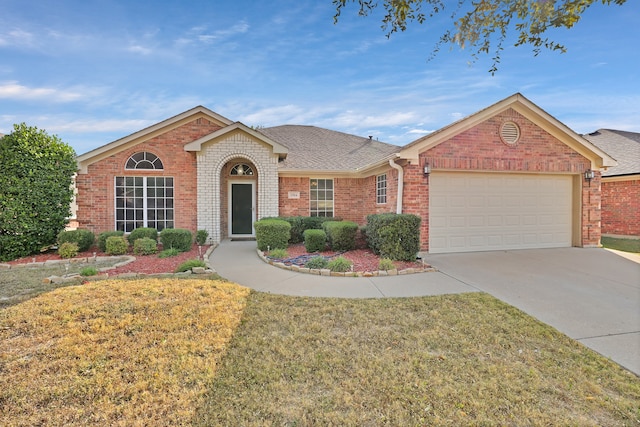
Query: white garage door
484, 212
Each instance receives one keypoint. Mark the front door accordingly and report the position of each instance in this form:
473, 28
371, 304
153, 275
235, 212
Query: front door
241, 209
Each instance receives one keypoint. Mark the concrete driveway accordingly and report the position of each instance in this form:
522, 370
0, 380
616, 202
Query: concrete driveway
592, 295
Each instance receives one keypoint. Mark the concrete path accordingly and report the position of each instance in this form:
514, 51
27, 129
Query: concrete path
592, 295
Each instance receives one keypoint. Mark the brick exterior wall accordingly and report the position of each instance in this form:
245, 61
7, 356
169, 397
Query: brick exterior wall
96, 200
481, 149
621, 207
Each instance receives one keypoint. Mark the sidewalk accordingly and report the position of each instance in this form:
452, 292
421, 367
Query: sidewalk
239, 262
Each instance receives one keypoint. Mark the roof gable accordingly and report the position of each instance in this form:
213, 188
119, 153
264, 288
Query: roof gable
529, 110
150, 132
277, 148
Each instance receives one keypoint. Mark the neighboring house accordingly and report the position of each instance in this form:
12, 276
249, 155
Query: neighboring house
508, 177
621, 183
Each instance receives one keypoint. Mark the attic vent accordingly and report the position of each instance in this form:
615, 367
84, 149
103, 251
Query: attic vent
510, 133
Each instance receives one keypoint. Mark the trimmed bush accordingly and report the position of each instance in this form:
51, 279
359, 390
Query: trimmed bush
386, 264
68, 250
145, 246
168, 253
88, 271
188, 265
278, 254
84, 238
272, 234
317, 262
102, 238
340, 264
201, 237
341, 235
394, 236
116, 245
142, 232
176, 238
315, 240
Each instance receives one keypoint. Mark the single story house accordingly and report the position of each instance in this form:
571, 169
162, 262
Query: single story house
621, 183
510, 176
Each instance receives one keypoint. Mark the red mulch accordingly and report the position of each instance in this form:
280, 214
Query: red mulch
362, 259
147, 264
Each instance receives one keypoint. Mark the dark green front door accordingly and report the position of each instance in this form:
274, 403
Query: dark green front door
241, 209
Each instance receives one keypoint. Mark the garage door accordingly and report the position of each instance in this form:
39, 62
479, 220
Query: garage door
483, 212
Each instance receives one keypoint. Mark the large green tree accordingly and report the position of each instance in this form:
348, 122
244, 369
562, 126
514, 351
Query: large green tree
36, 174
483, 26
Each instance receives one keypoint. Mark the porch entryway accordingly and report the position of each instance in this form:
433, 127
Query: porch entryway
242, 208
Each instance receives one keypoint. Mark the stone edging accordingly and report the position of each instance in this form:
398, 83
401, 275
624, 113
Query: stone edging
104, 271
327, 272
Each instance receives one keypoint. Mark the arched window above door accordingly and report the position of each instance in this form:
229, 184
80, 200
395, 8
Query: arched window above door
242, 169
144, 160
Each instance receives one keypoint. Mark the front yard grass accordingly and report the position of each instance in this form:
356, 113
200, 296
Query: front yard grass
625, 245
205, 352
447, 360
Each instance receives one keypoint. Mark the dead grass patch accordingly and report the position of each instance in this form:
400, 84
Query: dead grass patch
449, 360
115, 352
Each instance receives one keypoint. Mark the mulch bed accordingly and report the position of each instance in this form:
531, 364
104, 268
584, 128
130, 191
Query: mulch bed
362, 259
145, 264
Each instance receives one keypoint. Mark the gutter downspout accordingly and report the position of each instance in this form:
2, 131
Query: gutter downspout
397, 167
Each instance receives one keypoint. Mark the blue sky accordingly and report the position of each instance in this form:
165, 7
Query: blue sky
95, 71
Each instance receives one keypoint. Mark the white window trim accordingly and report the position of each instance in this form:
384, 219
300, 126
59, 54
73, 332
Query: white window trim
333, 195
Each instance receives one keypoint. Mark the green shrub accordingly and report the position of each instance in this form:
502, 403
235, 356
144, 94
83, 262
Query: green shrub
201, 237
168, 253
88, 271
272, 234
394, 236
339, 264
145, 246
84, 238
386, 264
35, 190
102, 238
315, 240
177, 238
341, 235
116, 245
278, 254
188, 265
68, 250
317, 262
142, 232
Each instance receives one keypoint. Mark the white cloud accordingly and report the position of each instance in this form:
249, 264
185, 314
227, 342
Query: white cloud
139, 50
15, 91
17, 38
93, 125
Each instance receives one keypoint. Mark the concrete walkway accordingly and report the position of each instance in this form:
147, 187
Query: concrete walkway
592, 295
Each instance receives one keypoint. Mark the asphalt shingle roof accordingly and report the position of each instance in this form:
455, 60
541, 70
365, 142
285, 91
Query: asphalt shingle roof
622, 146
314, 148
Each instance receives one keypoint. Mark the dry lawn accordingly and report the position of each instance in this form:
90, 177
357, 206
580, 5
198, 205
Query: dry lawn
115, 352
450, 360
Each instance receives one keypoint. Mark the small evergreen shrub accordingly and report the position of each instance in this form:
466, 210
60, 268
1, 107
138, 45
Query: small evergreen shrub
84, 238
317, 262
177, 238
386, 264
168, 253
68, 250
117, 245
394, 236
272, 234
339, 264
102, 238
315, 240
188, 265
341, 235
145, 246
88, 271
142, 232
201, 237
278, 254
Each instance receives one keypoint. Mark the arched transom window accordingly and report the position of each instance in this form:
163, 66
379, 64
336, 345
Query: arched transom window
144, 160
242, 170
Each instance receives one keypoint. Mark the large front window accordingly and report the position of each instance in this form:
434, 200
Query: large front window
144, 201
321, 197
